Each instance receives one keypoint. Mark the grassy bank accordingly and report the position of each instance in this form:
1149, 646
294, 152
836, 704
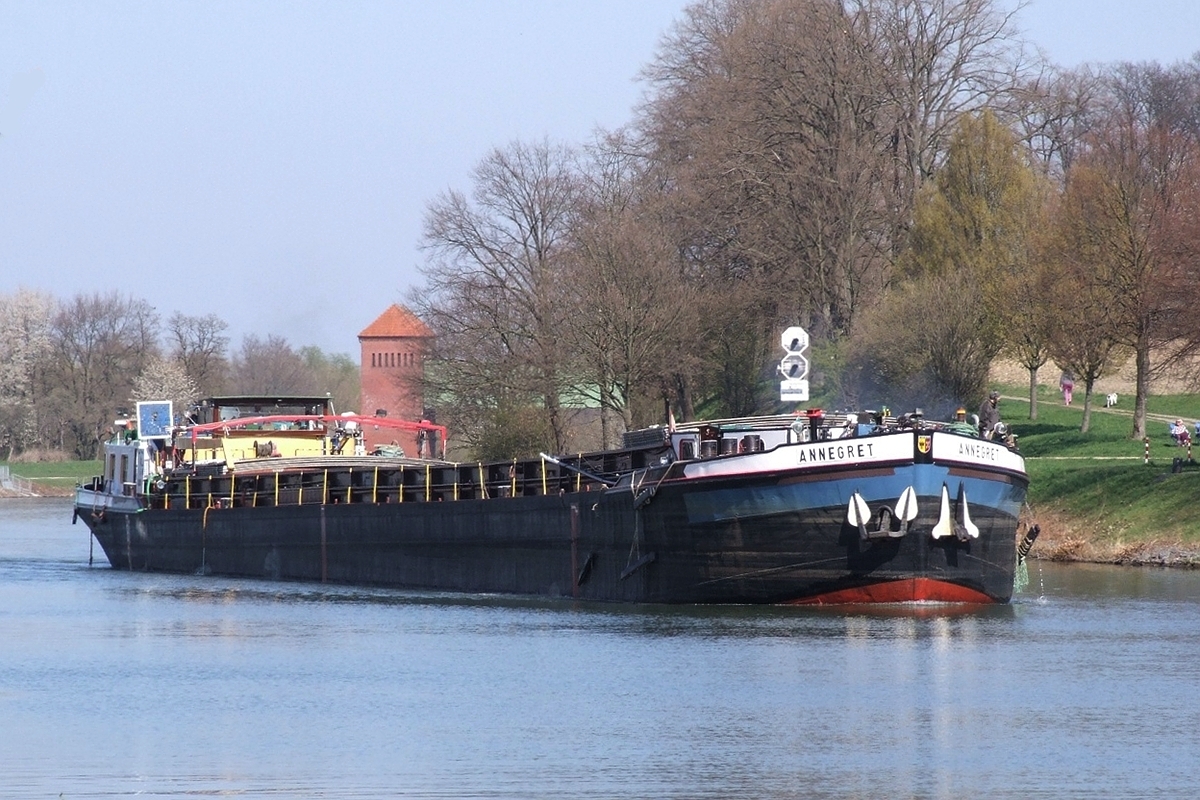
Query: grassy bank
1094, 495
54, 478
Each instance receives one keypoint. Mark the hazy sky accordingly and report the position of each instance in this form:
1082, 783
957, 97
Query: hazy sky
271, 162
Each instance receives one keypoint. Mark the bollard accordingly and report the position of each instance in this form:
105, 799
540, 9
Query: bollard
1176, 465
1147, 442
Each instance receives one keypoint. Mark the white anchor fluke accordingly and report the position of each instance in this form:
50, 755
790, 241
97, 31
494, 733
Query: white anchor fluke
857, 511
943, 527
969, 528
906, 512
906, 506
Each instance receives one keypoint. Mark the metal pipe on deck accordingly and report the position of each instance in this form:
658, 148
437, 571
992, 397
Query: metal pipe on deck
578, 471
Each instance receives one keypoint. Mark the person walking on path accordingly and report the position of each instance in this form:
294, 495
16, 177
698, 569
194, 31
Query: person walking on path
1067, 384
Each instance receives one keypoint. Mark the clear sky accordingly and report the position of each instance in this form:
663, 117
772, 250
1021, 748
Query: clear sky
270, 162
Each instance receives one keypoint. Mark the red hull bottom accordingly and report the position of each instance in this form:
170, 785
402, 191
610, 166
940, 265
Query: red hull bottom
907, 590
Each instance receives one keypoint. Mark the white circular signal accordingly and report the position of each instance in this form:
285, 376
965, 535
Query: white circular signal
794, 366
794, 339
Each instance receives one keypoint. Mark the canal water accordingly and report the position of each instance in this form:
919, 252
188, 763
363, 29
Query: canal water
115, 684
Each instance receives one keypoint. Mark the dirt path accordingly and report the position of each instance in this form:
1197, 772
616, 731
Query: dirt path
1122, 381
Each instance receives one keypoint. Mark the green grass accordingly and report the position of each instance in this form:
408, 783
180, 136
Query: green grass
1100, 479
56, 474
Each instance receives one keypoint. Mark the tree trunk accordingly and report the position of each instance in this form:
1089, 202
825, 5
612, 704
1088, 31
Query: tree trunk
1142, 358
557, 428
626, 416
1088, 383
684, 394
1033, 392
604, 403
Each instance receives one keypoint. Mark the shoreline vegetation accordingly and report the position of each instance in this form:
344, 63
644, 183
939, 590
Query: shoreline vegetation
1096, 496
1104, 497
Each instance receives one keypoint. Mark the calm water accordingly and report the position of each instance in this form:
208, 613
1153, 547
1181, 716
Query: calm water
114, 685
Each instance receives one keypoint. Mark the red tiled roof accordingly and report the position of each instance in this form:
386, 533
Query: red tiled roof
396, 322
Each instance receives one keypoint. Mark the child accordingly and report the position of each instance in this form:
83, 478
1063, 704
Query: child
1179, 433
1067, 384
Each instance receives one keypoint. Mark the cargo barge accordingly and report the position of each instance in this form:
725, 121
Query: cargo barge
810, 508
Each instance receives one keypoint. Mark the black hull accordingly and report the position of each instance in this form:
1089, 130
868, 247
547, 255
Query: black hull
600, 545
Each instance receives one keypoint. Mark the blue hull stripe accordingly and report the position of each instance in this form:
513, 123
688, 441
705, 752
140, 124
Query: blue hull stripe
741, 502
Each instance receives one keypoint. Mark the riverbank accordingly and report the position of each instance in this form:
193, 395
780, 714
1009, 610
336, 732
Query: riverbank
23, 487
46, 478
1065, 539
1103, 496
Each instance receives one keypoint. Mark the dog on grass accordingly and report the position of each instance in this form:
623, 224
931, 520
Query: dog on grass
1110, 400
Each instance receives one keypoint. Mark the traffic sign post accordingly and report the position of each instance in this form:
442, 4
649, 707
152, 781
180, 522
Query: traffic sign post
794, 365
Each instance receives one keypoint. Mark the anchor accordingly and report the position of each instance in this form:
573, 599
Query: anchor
858, 513
962, 528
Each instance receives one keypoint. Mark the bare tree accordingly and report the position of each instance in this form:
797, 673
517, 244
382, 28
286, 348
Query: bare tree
1086, 330
1029, 335
767, 120
633, 312
925, 345
1092, 350
99, 345
1057, 111
1130, 202
1054, 112
268, 366
493, 287
335, 374
943, 59
199, 344
793, 137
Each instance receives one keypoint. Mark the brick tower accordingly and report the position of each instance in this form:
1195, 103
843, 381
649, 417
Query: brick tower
393, 364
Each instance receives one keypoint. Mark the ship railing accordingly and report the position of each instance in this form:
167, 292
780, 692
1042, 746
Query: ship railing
392, 483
